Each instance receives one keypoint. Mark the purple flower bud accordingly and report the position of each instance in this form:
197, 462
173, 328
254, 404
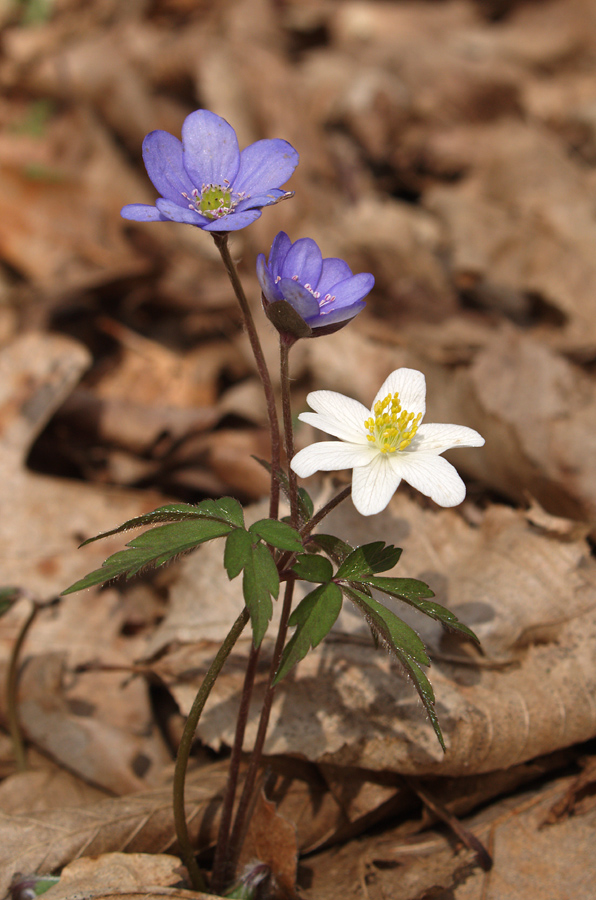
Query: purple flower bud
305, 295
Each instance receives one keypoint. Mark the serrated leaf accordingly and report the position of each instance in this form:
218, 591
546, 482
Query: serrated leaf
237, 551
313, 568
414, 592
8, 597
395, 634
334, 547
153, 548
259, 583
226, 509
305, 504
278, 534
368, 559
385, 627
314, 617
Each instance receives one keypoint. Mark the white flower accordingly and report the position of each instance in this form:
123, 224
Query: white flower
385, 444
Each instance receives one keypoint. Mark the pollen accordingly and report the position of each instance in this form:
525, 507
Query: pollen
390, 427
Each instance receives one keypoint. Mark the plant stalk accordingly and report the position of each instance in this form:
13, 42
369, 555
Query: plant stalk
286, 405
12, 715
186, 851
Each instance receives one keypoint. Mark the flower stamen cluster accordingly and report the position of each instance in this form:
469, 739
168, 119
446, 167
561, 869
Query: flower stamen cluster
392, 427
213, 201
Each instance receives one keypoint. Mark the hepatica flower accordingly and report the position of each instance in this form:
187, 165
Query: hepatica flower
385, 444
205, 180
323, 292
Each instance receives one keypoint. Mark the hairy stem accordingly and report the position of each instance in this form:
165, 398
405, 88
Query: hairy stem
11, 692
240, 822
221, 242
186, 850
220, 873
286, 402
325, 510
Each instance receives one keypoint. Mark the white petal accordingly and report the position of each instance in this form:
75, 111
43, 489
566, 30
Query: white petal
437, 438
327, 456
432, 475
374, 485
410, 384
337, 415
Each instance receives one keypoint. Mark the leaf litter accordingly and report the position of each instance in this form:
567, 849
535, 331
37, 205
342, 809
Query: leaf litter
450, 149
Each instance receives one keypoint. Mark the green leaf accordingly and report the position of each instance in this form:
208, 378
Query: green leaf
414, 593
334, 547
8, 597
259, 583
368, 559
394, 632
278, 534
307, 507
237, 552
405, 646
313, 568
314, 617
226, 509
153, 548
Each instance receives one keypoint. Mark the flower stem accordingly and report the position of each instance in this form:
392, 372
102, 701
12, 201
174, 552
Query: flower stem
221, 242
186, 850
325, 510
240, 822
14, 725
285, 345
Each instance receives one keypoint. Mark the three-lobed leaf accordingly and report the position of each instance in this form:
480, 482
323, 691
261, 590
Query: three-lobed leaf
153, 548
415, 593
334, 547
314, 617
392, 630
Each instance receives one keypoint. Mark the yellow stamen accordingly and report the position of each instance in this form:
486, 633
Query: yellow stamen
391, 428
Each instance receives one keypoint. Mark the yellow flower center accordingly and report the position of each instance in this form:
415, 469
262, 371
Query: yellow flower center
392, 427
213, 201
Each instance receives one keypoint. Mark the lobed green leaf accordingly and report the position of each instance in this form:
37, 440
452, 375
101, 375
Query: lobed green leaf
226, 509
368, 559
314, 617
237, 551
392, 630
309, 567
259, 583
153, 548
278, 534
415, 593
334, 547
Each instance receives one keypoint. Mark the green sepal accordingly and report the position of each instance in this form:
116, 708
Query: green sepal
334, 547
314, 618
278, 534
8, 597
368, 559
153, 548
226, 509
237, 551
390, 631
309, 567
259, 583
415, 593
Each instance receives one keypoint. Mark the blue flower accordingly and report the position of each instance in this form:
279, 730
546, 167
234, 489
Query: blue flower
323, 292
205, 180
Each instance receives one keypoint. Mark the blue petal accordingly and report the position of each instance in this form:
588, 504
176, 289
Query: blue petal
176, 213
279, 250
211, 154
334, 271
304, 260
336, 314
142, 212
234, 221
268, 286
162, 155
264, 165
297, 296
352, 289
259, 200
